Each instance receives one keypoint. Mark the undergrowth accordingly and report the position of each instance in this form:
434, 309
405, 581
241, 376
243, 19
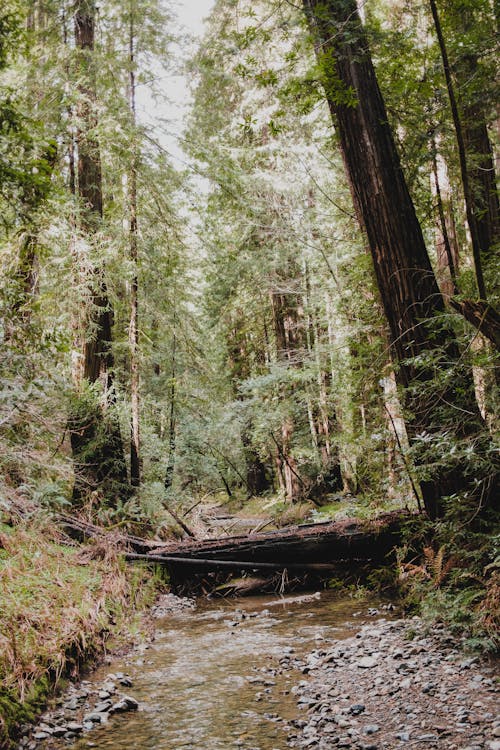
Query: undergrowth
58, 606
450, 573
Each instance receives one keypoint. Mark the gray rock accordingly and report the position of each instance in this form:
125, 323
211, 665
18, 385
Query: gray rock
403, 736
366, 662
103, 706
356, 709
371, 729
60, 731
95, 717
74, 726
125, 704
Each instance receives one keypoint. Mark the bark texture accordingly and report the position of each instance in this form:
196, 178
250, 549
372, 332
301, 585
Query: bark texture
421, 342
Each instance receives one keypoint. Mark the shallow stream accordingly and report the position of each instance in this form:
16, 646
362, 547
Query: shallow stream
219, 676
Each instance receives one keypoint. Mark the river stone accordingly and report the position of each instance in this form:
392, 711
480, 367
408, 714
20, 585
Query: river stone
95, 717
125, 704
357, 709
59, 731
74, 726
371, 729
494, 745
366, 662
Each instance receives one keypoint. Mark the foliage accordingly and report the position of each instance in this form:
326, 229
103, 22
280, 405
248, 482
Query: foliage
58, 607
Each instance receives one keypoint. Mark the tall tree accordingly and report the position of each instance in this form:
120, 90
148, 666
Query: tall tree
95, 433
420, 340
135, 462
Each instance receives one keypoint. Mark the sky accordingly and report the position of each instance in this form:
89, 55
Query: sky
190, 18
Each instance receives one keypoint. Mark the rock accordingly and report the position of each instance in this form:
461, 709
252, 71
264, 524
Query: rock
125, 681
371, 729
403, 736
94, 717
344, 742
74, 726
494, 745
102, 706
357, 709
366, 662
59, 731
125, 704
41, 735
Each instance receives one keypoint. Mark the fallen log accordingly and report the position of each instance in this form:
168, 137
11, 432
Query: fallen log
293, 547
197, 562
80, 529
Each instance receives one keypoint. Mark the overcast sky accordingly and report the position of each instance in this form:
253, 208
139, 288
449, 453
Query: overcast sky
190, 16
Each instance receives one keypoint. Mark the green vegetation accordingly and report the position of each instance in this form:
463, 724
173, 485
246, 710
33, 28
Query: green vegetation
59, 605
298, 322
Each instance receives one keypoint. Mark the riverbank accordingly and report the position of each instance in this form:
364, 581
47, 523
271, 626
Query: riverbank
316, 671
59, 607
393, 685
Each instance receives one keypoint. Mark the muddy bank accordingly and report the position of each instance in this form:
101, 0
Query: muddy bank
389, 686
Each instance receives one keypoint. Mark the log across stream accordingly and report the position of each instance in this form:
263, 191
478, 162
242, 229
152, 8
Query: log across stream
311, 549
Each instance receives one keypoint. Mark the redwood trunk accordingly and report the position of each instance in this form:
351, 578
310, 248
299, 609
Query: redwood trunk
95, 434
409, 292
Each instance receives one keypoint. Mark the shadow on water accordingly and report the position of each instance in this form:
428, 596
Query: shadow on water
220, 676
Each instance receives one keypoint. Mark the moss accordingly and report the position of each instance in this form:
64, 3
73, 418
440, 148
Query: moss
14, 712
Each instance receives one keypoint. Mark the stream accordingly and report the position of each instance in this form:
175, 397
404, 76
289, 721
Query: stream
220, 675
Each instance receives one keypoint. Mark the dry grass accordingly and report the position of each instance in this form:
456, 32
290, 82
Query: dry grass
57, 605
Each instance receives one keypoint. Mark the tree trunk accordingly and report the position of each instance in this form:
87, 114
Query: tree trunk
290, 344
474, 148
95, 434
135, 461
447, 251
257, 480
421, 342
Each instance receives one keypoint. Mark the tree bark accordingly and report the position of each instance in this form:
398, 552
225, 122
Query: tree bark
135, 451
95, 434
421, 342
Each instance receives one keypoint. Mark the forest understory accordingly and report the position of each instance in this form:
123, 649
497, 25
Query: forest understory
282, 310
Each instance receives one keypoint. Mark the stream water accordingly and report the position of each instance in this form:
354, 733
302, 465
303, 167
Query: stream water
212, 678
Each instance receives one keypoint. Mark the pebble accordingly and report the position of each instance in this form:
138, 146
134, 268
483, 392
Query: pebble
366, 662
421, 693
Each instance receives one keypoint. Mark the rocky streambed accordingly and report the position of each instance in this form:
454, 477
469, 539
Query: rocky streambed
389, 686
264, 673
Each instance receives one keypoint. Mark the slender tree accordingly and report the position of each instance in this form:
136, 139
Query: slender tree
135, 462
95, 435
